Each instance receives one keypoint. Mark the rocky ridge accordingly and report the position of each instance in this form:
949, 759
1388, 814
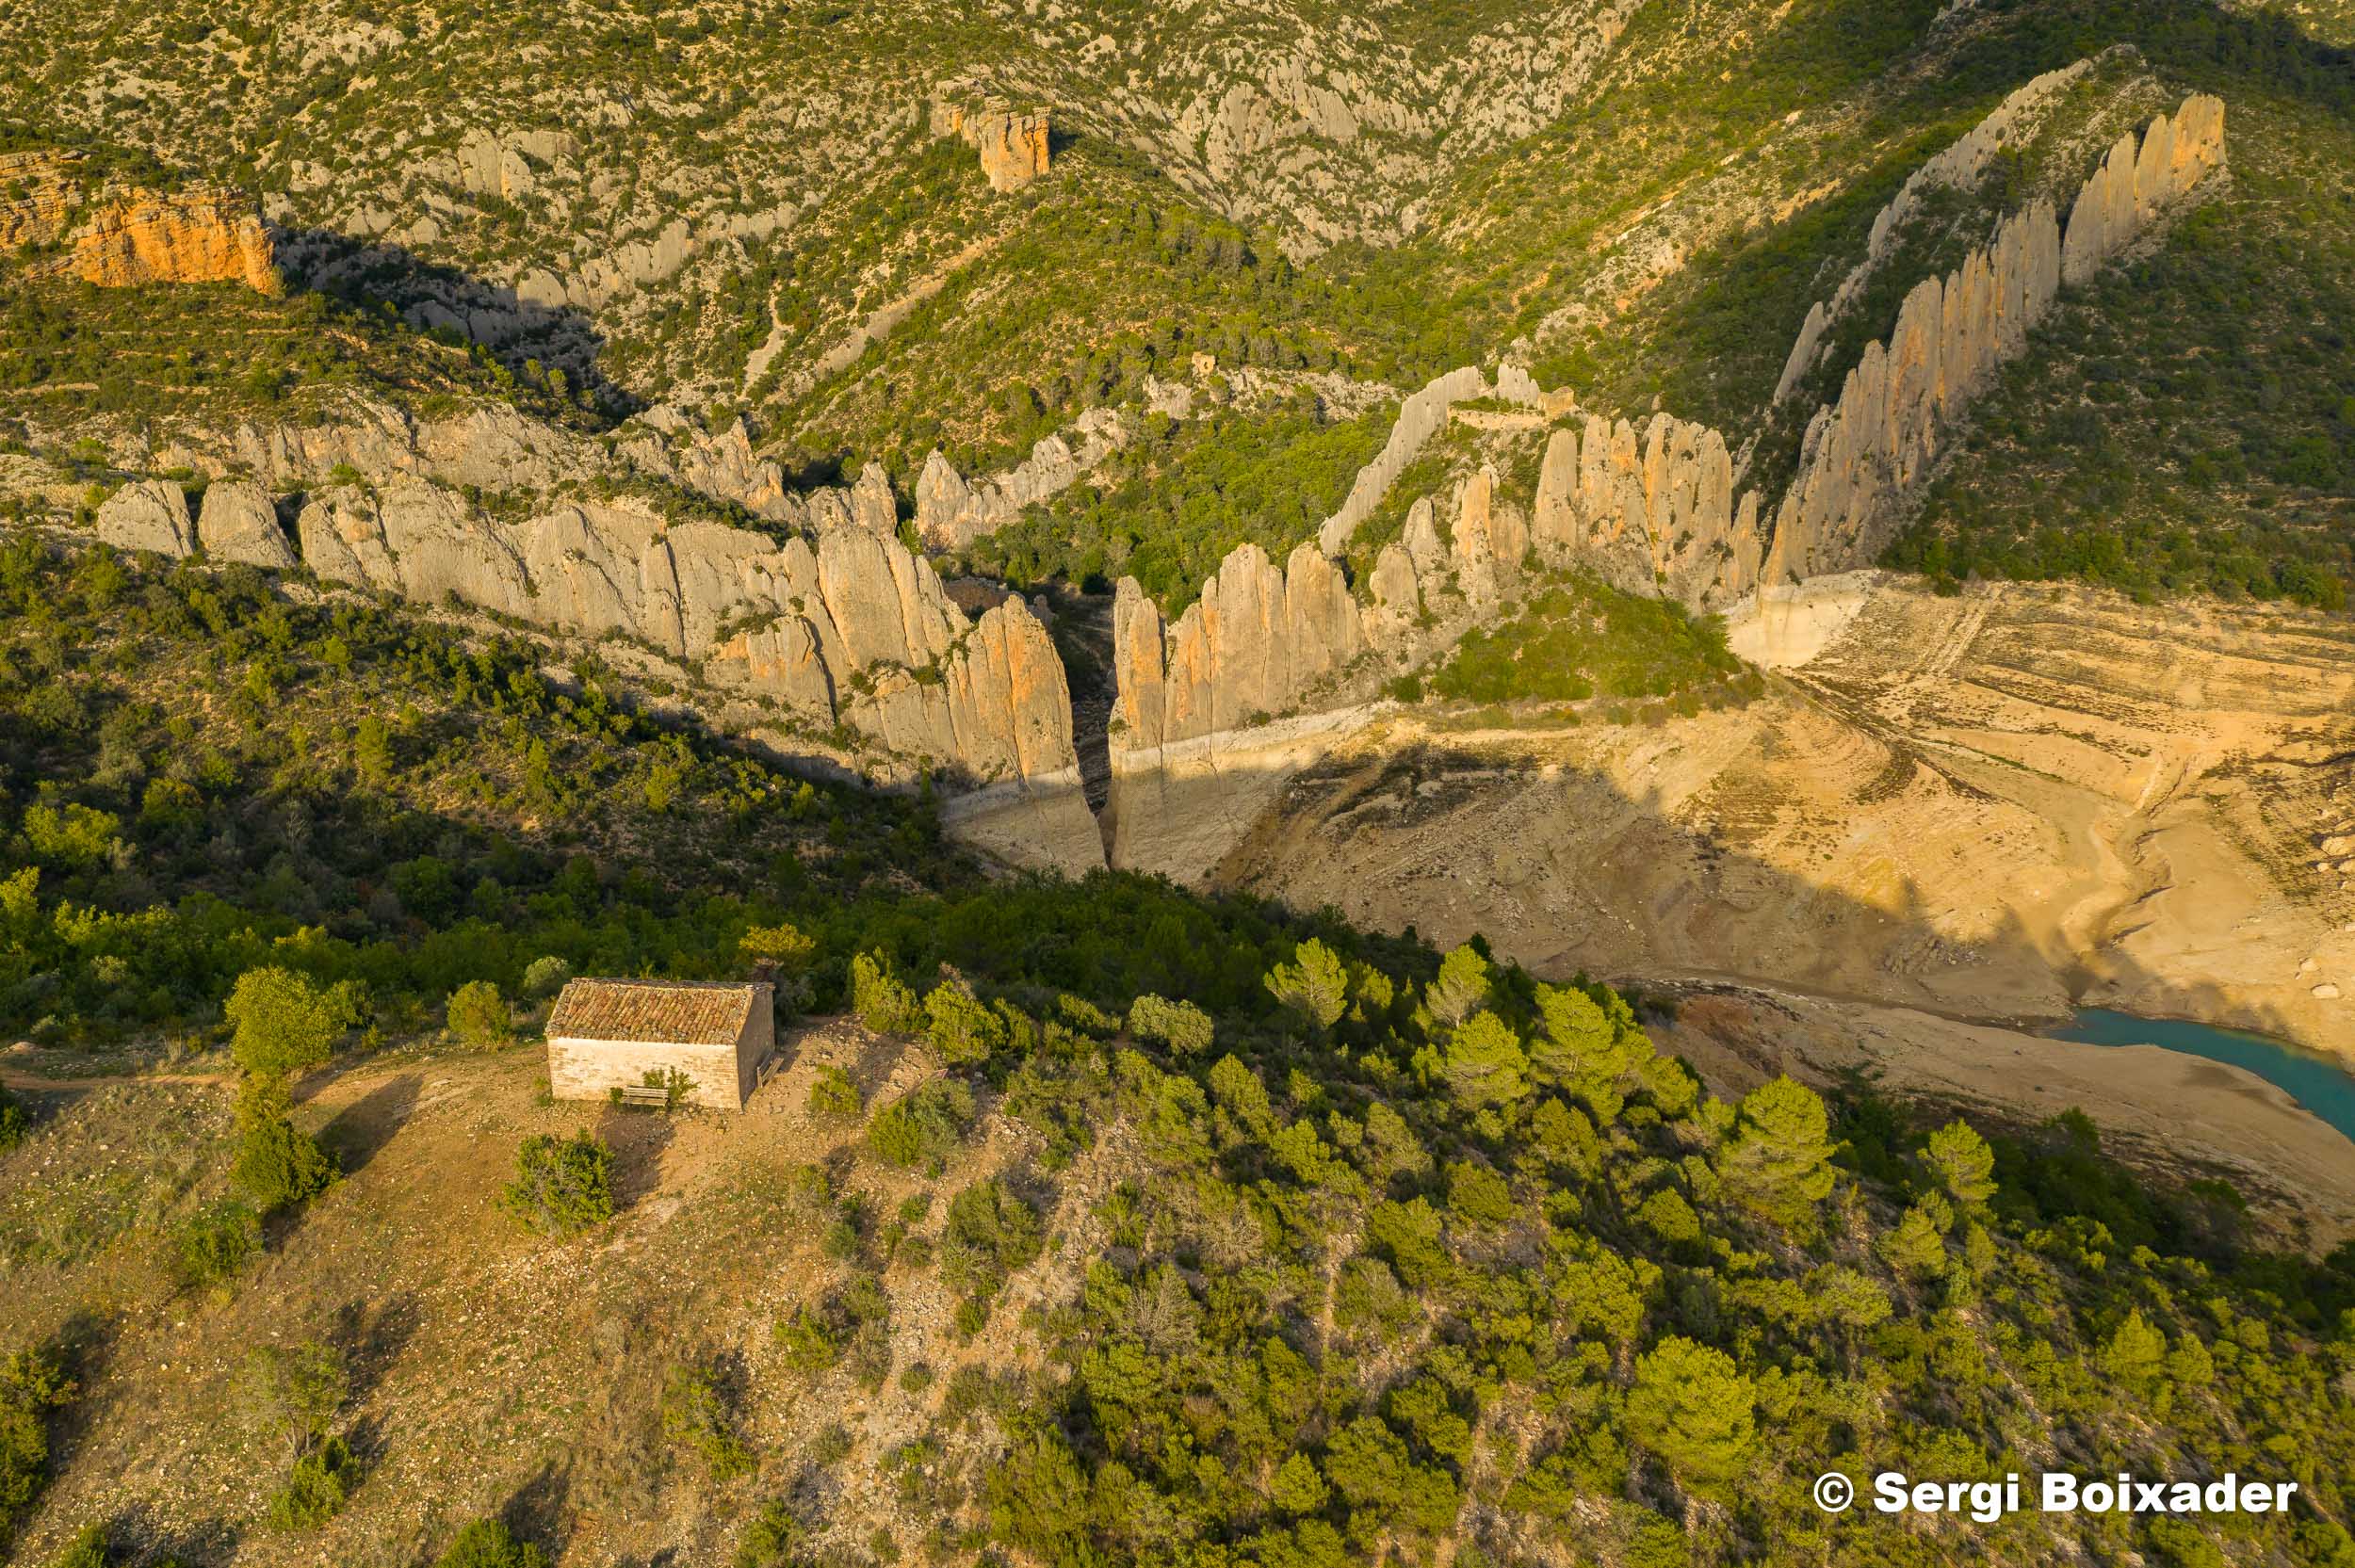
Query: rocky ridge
843, 640
1654, 511
1864, 452
953, 511
2009, 127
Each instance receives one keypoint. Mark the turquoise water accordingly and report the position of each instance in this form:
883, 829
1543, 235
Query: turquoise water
2313, 1079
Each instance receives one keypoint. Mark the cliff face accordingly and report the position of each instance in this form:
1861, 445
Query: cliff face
116, 237
1012, 143
844, 627
1655, 513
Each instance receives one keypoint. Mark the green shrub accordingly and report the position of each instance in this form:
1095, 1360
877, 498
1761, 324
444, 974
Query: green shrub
833, 1096
87, 1549
698, 1411
277, 1164
32, 1385
775, 1539
216, 1241
563, 1185
488, 1544
315, 1492
14, 1122
479, 1017
961, 1027
922, 1127
1185, 1029
807, 1341
991, 1231
883, 1003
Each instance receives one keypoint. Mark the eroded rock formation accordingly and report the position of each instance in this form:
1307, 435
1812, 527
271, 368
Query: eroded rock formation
846, 626
238, 522
1863, 453
1653, 512
1420, 416
841, 636
148, 514
2135, 185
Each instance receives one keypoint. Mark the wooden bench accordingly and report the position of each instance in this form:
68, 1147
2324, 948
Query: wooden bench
646, 1094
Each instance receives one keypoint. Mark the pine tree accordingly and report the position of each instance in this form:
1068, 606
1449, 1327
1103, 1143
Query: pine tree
1778, 1163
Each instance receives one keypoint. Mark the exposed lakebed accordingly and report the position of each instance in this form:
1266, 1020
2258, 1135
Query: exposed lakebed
2317, 1082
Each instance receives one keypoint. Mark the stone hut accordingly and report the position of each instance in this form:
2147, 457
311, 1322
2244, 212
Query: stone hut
605, 1034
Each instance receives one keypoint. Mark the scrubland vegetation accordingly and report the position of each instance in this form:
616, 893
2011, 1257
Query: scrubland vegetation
1391, 1249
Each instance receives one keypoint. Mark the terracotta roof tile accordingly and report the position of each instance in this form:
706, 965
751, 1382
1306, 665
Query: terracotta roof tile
668, 1013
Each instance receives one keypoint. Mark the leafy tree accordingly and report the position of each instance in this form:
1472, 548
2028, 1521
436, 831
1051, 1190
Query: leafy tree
1777, 1162
489, 1544
2189, 1363
1916, 1246
563, 1185
1314, 987
294, 1391
783, 945
1478, 1195
1962, 1164
1237, 1090
546, 975
285, 1022
1484, 1065
479, 1017
1692, 1407
1185, 1029
1298, 1488
2135, 1355
1373, 1469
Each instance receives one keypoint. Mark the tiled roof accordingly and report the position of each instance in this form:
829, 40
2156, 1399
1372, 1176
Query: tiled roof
667, 1012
